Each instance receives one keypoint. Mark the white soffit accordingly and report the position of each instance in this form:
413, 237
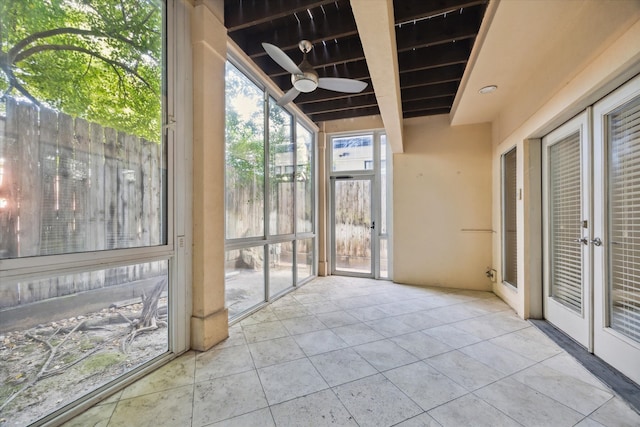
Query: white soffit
535, 46
375, 23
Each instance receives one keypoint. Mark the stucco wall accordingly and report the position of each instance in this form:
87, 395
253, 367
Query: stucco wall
442, 204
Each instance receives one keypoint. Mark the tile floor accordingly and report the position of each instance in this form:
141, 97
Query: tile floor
358, 352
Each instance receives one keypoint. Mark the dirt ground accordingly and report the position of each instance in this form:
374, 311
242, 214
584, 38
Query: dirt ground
49, 366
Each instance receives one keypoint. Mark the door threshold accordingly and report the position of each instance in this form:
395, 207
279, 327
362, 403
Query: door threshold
618, 382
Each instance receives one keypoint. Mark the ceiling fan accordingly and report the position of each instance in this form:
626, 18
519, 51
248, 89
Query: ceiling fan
305, 78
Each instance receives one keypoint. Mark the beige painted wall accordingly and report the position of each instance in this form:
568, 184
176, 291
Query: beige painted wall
616, 63
442, 204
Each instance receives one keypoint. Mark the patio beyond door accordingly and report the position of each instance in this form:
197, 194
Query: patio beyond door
353, 225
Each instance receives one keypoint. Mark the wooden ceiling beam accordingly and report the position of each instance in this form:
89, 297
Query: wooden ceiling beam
439, 30
427, 112
429, 91
347, 114
426, 104
409, 10
437, 75
240, 14
434, 56
340, 105
327, 28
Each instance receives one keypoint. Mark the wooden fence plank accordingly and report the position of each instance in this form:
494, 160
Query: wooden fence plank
29, 180
9, 186
49, 234
97, 212
155, 219
66, 170
82, 165
82, 159
111, 188
123, 205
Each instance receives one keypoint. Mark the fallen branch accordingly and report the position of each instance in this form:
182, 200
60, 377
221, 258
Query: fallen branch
44, 372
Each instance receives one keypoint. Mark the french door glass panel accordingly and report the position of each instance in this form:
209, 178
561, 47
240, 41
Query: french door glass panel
566, 213
624, 220
617, 223
565, 205
352, 222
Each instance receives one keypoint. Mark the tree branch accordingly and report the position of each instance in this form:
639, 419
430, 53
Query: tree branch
14, 52
56, 47
13, 82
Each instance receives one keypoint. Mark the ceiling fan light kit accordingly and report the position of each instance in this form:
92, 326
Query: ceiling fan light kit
305, 82
304, 78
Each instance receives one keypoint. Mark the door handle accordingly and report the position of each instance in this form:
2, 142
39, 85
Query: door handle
584, 241
597, 241
373, 225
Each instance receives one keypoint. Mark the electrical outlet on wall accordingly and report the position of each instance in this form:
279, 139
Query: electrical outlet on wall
491, 274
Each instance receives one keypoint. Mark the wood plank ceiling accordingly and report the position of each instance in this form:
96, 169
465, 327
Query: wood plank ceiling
434, 39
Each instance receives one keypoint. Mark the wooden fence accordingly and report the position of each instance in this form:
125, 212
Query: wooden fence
70, 186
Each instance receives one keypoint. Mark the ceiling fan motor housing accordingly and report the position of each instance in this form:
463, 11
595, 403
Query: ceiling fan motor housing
307, 81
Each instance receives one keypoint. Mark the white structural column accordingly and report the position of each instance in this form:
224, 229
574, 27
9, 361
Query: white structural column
375, 22
209, 320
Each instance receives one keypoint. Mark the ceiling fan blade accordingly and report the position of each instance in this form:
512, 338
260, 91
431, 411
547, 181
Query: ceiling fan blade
281, 58
341, 85
288, 97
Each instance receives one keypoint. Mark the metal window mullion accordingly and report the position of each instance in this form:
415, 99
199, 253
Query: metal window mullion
266, 193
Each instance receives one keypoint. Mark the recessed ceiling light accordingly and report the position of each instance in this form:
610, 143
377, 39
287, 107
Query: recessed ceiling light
488, 89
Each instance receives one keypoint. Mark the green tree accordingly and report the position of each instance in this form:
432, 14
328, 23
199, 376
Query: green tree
96, 59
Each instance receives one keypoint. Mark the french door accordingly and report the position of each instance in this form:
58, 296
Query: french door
567, 200
352, 225
617, 222
592, 229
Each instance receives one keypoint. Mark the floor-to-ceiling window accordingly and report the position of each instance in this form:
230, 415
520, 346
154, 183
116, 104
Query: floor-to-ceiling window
86, 214
270, 233
360, 195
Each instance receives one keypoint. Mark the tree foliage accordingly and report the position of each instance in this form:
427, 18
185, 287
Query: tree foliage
96, 59
244, 130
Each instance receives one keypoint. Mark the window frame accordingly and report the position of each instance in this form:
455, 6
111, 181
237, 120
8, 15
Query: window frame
175, 97
503, 214
266, 239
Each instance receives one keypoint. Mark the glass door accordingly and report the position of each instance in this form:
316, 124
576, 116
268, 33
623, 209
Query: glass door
566, 194
353, 226
616, 237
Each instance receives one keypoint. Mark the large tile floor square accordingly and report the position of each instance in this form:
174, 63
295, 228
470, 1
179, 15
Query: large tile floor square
359, 352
